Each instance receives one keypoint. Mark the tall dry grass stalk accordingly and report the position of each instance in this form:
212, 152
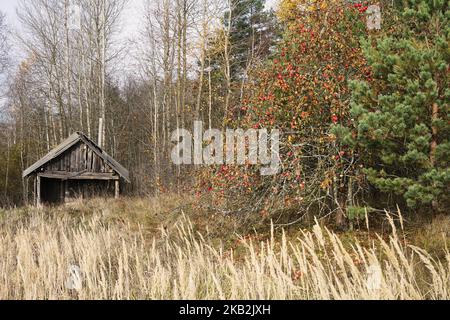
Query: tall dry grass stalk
118, 262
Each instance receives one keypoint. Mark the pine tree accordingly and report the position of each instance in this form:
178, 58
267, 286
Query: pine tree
401, 118
251, 34
247, 37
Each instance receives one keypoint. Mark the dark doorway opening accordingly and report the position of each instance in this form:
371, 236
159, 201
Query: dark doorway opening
57, 191
51, 191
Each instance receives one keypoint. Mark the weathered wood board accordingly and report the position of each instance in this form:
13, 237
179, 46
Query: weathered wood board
77, 168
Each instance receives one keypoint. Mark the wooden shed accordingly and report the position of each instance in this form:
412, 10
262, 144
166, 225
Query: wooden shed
78, 168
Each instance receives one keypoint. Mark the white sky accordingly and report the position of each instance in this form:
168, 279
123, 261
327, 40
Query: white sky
9, 7
130, 28
131, 18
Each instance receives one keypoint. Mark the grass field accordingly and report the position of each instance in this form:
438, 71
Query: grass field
138, 249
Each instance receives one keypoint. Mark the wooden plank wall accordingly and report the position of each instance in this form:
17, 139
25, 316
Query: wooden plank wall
79, 158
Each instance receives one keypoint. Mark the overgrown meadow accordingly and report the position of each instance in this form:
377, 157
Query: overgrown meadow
157, 252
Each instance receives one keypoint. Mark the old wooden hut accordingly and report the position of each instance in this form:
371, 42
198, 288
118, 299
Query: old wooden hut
78, 168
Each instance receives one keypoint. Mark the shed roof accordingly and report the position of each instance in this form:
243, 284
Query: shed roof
67, 144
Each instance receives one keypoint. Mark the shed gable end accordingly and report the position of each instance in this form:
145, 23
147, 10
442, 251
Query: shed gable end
77, 159
79, 155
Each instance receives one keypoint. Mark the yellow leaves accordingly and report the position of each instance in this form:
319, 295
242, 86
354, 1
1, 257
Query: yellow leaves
291, 139
286, 10
326, 184
324, 5
289, 9
332, 137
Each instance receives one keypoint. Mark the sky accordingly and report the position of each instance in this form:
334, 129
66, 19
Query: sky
131, 24
130, 28
130, 12
9, 7
131, 18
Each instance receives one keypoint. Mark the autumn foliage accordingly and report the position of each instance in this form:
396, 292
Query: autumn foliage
303, 91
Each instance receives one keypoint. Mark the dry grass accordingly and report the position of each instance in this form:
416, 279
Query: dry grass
122, 256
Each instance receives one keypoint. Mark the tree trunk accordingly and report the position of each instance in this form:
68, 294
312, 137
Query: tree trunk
434, 117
